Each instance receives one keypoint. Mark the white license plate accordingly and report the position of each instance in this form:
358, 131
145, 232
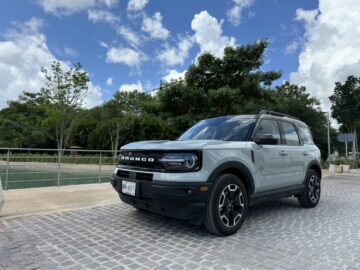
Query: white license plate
128, 188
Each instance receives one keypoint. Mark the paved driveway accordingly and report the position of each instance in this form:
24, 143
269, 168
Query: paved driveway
277, 235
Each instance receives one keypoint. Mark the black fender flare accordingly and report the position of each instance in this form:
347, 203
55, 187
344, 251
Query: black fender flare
314, 163
238, 167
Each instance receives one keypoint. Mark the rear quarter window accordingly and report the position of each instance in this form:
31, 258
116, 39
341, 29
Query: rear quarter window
305, 135
290, 135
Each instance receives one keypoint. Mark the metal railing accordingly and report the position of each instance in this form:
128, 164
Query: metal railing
33, 167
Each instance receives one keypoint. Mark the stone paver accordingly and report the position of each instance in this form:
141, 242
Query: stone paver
276, 235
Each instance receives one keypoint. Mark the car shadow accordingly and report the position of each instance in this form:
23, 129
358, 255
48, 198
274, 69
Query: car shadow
268, 211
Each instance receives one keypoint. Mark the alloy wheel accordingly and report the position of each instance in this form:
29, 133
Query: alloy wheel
231, 205
314, 188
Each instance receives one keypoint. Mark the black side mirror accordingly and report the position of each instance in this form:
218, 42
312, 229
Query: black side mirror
266, 139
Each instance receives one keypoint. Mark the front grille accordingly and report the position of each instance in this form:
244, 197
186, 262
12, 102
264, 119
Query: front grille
144, 176
123, 174
142, 159
135, 175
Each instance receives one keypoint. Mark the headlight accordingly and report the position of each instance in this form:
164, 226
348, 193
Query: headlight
180, 161
116, 170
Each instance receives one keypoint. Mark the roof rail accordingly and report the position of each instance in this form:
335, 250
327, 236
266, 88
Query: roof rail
276, 114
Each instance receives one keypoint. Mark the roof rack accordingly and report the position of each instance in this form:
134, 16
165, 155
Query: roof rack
276, 114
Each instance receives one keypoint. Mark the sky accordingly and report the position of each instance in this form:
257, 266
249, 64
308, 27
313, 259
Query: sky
134, 44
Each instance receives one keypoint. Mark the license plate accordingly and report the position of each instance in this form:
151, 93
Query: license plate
128, 188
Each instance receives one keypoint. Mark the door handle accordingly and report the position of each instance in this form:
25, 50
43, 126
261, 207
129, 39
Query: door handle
283, 153
305, 153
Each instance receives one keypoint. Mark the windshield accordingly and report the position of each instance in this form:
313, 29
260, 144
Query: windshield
221, 128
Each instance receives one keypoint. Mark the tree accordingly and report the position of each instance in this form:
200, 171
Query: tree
214, 86
21, 124
238, 69
120, 112
65, 92
346, 103
345, 106
296, 101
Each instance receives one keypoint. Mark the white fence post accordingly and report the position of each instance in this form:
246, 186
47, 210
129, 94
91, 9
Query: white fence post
58, 173
100, 168
7, 169
1, 196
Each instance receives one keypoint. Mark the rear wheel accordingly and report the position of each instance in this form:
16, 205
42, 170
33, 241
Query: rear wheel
227, 205
311, 194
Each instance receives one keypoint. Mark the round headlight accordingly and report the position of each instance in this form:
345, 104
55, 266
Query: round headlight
190, 161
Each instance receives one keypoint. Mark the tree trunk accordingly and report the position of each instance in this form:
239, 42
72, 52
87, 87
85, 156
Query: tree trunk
59, 131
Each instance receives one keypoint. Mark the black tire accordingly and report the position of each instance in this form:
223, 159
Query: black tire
229, 191
141, 209
311, 194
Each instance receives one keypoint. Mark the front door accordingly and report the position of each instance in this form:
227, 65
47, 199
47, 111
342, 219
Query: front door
271, 161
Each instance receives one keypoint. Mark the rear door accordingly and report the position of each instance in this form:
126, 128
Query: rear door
296, 154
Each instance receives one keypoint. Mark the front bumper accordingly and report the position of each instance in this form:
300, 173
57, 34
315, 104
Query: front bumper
182, 201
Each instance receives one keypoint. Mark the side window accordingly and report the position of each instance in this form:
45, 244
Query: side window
290, 135
268, 127
305, 135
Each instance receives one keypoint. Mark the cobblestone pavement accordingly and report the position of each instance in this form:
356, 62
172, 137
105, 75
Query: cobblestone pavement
276, 235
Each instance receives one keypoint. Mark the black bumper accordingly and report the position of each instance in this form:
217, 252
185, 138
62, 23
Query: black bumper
182, 201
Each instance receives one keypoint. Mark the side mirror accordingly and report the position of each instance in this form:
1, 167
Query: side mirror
266, 139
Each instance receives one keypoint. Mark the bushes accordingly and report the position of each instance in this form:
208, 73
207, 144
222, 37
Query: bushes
354, 164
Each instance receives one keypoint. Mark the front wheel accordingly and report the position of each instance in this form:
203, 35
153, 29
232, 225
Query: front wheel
227, 205
311, 194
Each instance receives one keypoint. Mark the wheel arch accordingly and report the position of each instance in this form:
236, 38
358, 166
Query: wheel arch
237, 168
315, 165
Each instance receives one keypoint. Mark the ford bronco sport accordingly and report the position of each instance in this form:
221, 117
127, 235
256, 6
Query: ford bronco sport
219, 167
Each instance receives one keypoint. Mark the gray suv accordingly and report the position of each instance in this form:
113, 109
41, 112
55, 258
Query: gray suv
219, 167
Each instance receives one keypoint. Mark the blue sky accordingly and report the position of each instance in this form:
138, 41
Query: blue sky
127, 44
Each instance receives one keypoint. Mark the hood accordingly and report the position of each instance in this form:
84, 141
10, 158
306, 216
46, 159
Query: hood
177, 145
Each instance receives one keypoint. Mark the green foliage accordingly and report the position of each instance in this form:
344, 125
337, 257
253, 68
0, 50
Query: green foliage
345, 103
22, 122
238, 69
224, 101
65, 89
354, 164
64, 93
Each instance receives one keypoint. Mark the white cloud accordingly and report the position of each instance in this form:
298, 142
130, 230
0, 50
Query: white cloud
71, 52
129, 36
67, 7
292, 47
332, 47
136, 5
94, 97
174, 75
132, 87
23, 52
309, 16
110, 3
103, 44
109, 81
235, 13
154, 27
96, 16
125, 56
172, 56
208, 34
